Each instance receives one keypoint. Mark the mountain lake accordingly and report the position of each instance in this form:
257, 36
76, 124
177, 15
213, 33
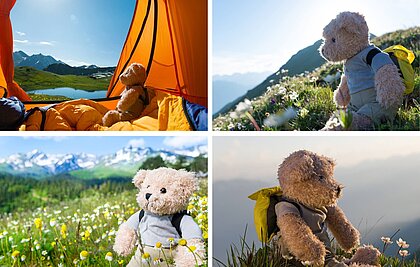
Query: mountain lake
71, 93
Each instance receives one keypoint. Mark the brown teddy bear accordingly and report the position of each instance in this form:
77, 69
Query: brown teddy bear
134, 98
371, 87
308, 207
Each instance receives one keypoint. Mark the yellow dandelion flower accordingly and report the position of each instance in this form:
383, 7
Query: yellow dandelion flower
192, 248
120, 262
38, 223
53, 244
182, 242
205, 235
63, 231
146, 255
15, 254
83, 255
108, 256
190, 207
158, 245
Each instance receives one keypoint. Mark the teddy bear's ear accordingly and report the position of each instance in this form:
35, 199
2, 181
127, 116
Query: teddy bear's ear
188, 182
135, 74
139, 178
352, 22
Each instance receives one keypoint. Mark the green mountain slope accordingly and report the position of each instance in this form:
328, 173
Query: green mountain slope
31, 79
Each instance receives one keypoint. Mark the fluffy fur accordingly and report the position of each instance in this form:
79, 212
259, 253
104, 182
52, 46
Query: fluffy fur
344, 37
308, 178
131, 104
178, 185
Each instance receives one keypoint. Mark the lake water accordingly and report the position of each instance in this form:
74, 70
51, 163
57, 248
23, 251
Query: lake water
71, 93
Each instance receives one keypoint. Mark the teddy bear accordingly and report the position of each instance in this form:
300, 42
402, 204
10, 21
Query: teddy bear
309, 207
134, 98
162, 230
371, 87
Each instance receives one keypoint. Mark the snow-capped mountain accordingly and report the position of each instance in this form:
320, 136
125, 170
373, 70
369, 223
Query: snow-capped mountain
36, 163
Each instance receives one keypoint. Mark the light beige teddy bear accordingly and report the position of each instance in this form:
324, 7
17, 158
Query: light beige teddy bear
134, 98
164, 232
371, 87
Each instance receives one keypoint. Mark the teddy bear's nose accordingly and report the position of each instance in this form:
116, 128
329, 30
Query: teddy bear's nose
148, 195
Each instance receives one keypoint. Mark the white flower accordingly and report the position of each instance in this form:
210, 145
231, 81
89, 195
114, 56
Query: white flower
284, 71
23, 258
279, 119
243, 107
386, 240
60, 264
53, 222
303, 112
401, 243
38, 246
404, 253
282, 90
108, 256
293, 95
44, 252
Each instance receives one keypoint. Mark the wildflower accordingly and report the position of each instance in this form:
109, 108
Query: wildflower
404, 253
402, 244
60, 264
284, 71
282, 90
182, 242
85, 235
145, 258
38, 223
23, 258
15, 254
241, 109
303, 112
53, 244
37, 246
75, 261
83, 255
53, 222
108, 256
293, 96
386, 240
120, 262
190, 207
279, 119
192, 248
44, 253
63, 231
205, 235
156, 261
171, 240
158, 245
25, 240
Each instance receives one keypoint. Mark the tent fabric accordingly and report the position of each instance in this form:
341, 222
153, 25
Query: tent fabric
6, 53
168, 37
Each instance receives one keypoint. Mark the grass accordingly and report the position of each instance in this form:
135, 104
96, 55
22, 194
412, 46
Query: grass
32, 79
305, 102
266, 255
77, 232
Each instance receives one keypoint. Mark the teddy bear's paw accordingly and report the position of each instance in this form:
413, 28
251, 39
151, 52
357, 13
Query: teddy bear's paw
111, 117
125, 240
341, 97
368, 255
361, 123
389, 86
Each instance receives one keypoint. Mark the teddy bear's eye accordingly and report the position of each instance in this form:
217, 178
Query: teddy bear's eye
333, 40
163, 190
321, 177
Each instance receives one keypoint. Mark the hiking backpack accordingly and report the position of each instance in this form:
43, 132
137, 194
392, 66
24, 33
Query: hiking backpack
175, 221
265, 218
12, 113
402, 58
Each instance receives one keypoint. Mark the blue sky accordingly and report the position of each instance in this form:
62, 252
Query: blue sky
98, 145
77, 32
258, 36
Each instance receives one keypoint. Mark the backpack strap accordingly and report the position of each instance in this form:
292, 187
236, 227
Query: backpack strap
299, 208
372, 53
141, 215
176, 220
145, 98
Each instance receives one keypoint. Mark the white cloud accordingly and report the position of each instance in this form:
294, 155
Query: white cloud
52, 138
181, 141
137, 142
46, 43
21, 41
20, 33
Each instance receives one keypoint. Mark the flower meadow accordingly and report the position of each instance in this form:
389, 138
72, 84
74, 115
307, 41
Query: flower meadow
79, 232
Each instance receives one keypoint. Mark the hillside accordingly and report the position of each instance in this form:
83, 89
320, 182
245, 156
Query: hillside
304, 101
32, 79
94, 71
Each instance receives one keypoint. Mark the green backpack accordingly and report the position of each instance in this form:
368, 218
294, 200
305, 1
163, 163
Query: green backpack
402, 58
265, 218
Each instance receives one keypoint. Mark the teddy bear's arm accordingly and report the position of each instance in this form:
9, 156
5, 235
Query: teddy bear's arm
389, 86
347, 236
129, 98
300, 240
193, 234
342, 94
126, 236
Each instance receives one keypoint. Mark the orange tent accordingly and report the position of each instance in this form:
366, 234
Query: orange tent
169, 38
6, 53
